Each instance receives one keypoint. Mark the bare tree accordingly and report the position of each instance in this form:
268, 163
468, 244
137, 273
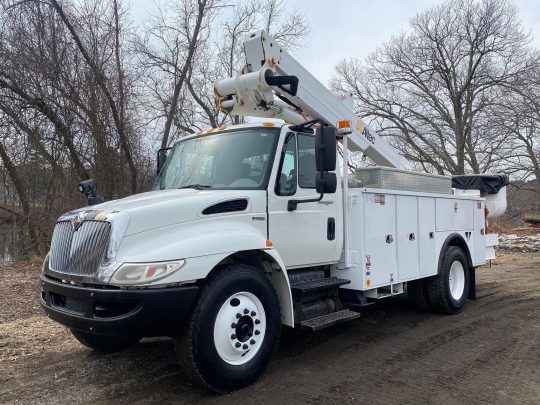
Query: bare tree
223, 54
168, 50
103, 82
518, 115
429, 89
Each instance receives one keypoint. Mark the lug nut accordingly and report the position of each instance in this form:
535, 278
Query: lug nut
253, 313
257, 332
233, 325
246, 311
252, 341
257, 322
233, 336
245, 347
239, 315
237, 344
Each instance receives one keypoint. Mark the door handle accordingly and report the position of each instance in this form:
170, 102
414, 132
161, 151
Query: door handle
331, 229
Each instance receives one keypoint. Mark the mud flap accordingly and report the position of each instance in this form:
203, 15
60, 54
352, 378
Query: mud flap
472, 283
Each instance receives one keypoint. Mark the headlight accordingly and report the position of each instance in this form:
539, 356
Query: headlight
143, 273
45, 265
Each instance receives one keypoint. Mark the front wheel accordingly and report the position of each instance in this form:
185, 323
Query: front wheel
234, 330
105, 344
448, 291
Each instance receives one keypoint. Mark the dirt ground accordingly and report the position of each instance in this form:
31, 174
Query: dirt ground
488, 354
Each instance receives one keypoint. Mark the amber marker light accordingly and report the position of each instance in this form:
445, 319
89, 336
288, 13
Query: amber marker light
268, 243
344, 124
268, 124
344, 127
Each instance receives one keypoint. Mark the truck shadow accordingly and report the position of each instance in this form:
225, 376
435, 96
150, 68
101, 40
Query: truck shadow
149, 370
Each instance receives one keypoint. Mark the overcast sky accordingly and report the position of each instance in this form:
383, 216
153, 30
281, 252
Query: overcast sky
354, 28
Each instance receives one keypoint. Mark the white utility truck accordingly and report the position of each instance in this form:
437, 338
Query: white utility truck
250, 227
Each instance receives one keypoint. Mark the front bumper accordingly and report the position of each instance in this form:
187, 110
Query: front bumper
118, 312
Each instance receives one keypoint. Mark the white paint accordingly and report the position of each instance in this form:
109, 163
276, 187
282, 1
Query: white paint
233, 344
456, 280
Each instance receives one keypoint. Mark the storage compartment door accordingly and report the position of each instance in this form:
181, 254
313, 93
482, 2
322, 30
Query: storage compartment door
379, 239
479, 237
407, 237
426, 236
454, 214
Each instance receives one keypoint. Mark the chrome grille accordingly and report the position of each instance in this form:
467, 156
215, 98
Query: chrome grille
79, 252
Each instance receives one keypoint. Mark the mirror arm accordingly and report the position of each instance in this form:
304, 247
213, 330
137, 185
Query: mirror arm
292, 204
159, 153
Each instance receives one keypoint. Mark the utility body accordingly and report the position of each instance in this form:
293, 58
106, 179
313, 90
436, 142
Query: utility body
254, 226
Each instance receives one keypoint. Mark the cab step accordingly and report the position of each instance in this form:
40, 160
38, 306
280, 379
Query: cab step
306, 291
319, 284
324, 321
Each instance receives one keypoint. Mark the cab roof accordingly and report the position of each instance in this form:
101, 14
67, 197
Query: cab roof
237, 126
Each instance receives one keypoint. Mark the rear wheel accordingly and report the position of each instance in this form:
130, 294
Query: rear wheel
234, 330
448, 291
105, 344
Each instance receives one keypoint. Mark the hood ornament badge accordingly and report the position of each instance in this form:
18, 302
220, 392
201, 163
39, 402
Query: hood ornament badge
76, 222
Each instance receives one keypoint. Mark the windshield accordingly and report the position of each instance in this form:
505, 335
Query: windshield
225, 160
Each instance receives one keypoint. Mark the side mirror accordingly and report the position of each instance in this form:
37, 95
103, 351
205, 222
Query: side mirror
161, 158
325, 162
326, 183
325, 149
89, 189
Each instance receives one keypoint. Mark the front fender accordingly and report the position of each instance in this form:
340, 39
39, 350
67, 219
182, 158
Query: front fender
204, 244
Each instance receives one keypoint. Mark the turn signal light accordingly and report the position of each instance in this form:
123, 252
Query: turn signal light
344, 124
344, 127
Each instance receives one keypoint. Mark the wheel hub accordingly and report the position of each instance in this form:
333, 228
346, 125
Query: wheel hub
456, 280
244, 328
239, 328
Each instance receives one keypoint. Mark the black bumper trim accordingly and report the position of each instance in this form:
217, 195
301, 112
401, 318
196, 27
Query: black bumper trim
118, 312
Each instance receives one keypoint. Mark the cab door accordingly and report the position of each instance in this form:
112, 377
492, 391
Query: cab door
307, 235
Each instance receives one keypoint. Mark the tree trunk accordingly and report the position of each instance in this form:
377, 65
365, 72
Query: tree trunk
23, 199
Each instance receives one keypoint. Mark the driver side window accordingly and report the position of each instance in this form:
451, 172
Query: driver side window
286, 180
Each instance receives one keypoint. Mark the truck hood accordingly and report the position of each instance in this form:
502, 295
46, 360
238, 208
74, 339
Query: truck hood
156, 209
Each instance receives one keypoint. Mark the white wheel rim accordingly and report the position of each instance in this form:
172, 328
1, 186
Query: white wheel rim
456, 280
240, 328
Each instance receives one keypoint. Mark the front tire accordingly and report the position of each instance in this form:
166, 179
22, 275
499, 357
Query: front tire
448, 291
105, 344
234, 330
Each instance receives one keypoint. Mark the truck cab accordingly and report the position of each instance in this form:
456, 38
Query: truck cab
135, 267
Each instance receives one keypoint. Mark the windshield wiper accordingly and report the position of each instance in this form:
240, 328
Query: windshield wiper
197, 186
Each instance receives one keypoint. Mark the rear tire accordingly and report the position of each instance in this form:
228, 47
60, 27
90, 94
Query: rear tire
233, 332
105, 344
447, 292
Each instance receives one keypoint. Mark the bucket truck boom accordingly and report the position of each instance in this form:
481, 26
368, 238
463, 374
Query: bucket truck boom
274, 85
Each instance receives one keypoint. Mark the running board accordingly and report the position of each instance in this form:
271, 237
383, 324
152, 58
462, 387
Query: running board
324, 321
311, 290
320, 284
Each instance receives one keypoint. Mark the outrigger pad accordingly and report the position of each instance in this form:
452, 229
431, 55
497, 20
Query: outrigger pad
486, 183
